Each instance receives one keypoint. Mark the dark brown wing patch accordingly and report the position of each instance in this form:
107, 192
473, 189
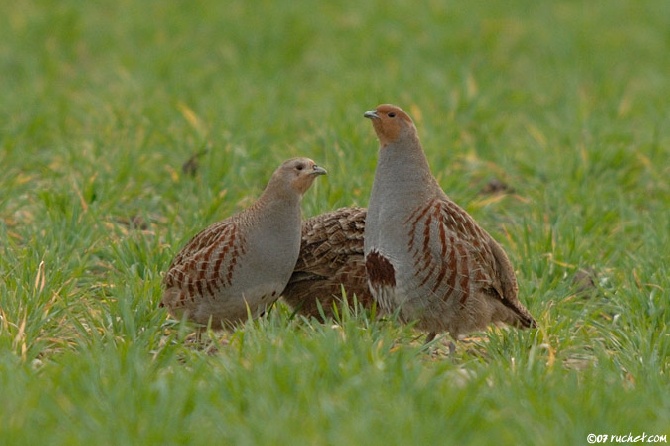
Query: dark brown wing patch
380, 271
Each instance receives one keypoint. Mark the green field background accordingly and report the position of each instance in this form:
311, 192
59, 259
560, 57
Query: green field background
565, 105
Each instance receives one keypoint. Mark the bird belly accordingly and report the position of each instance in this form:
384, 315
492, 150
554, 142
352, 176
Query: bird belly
236, 304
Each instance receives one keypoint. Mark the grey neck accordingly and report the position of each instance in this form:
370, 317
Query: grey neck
404, 170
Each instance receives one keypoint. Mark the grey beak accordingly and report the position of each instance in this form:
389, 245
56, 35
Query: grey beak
372, 114
317, 170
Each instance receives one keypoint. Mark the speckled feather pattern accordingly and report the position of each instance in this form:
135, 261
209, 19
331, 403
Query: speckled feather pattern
331, 258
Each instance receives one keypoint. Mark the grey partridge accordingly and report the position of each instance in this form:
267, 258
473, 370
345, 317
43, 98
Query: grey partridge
240, 265
331, 259
424, 255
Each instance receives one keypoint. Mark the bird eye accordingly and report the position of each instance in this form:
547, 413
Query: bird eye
391, 114
300, 167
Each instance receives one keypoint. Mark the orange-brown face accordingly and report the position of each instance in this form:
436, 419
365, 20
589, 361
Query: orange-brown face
302, 172
390, 123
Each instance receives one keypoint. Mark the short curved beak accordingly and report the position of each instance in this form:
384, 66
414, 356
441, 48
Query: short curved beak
372, 114
318, 170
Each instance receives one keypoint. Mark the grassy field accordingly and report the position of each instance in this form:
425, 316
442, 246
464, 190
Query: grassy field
566, 104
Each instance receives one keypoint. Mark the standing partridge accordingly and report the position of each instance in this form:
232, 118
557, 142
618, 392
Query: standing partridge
331, 259
240, 265
425, 255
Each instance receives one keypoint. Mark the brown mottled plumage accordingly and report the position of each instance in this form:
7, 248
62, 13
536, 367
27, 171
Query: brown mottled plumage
240, 265
331, 257
424, 254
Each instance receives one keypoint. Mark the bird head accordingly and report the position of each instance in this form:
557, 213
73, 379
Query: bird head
300, 173
391, 124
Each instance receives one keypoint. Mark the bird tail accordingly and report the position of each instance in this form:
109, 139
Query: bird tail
520, 317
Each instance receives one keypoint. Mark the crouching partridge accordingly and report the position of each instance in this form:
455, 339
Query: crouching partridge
240, 265
425, 255
330, 260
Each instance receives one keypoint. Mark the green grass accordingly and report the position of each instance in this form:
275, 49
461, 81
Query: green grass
101, 104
